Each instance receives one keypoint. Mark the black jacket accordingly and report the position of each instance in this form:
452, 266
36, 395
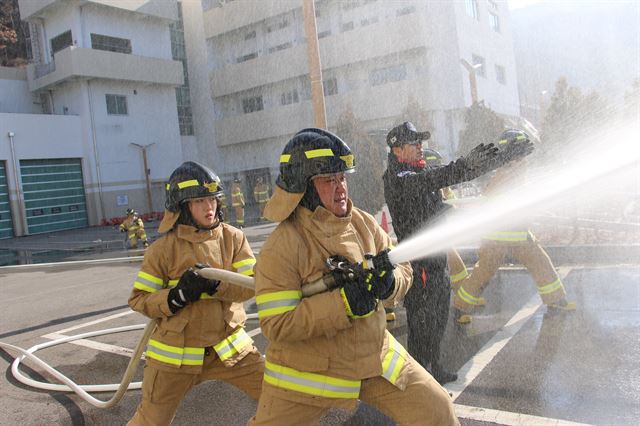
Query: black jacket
413, 194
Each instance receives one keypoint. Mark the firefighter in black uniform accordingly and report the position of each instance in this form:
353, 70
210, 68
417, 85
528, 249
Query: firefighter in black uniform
412, 193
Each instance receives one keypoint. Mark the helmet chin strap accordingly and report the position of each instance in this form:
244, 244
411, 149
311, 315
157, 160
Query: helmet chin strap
311, 199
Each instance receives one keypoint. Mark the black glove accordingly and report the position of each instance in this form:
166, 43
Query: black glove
517, 150
358, 300
378, 275
189, 289
479, 160
123, 230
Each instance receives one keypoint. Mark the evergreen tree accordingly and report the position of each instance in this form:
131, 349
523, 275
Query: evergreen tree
13, 49
482, 125
365, 185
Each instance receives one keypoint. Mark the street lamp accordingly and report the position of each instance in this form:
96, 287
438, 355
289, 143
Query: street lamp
473, 85
147, 172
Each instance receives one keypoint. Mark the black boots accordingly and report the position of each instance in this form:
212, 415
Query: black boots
441, 375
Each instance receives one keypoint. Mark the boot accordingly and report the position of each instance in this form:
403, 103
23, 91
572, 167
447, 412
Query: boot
441, 375
391, 316
461, 318
562, 306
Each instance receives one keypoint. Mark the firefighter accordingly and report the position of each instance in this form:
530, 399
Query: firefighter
412, 193
224, 209
518, 243
261, 195
237, 202
134, 227
330, 349
200, 334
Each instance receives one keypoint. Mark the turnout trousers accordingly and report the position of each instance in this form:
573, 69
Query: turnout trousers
423, 402
491, 256
162, 391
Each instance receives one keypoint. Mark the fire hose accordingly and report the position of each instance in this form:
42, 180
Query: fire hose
323, 284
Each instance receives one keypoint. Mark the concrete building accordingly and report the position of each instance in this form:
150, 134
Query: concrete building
375, 55
104, 79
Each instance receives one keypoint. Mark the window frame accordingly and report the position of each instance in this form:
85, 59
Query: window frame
120, 104
109, 43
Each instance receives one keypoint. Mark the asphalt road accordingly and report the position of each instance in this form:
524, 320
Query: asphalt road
517, 364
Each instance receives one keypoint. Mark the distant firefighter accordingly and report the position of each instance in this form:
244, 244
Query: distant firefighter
518, 243
261, 195
237, 202
134, 227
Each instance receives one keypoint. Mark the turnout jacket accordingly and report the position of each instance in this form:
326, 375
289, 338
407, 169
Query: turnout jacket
317, 354
181, 339
131, 226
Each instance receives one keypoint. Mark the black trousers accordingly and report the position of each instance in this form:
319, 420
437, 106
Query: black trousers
427, 305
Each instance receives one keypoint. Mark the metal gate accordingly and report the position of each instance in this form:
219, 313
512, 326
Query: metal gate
6, 224
53, 194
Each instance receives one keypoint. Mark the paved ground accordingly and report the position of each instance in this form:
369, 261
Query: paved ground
517, 364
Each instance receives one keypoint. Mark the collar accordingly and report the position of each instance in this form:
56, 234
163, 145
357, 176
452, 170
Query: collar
195, 235
322, 221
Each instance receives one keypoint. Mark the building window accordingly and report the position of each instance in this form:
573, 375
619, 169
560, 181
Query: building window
250, 36
330, 86
471, 7
282, 24
290, 97
493, 4
324, 34
116, 105
61, 41
387, 75
369, 21
479, 60
501, 76
494, 22
347, 27
110, 44
247, 57
252, 104
280, 47
405, 10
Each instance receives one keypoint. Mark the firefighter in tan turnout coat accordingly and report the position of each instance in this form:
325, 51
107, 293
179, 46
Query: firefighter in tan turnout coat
134, 227
519, 244
200, 334
332, 348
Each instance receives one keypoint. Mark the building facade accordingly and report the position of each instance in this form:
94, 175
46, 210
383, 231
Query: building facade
375, 56
104, 78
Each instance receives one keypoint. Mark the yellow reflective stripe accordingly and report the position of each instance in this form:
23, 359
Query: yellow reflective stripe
430, 157
310, 383
188, 183
233, 344
550, 288
172, 283
323, 152
348, 307
502, 141
168, 186
173, 354
468, 298
459, 276
348, 159
284, 158
244, 267
147, 282
393, 361
508, 236
277, 302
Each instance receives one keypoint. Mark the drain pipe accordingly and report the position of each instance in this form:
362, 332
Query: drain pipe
95, 153
16, 178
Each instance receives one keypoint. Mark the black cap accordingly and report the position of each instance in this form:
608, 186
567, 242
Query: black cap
405, 133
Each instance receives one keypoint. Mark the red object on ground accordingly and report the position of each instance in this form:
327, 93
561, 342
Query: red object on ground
383, 222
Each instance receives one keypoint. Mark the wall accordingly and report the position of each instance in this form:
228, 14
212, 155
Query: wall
16, 97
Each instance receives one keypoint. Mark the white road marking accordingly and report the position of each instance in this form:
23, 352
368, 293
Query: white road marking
508, 418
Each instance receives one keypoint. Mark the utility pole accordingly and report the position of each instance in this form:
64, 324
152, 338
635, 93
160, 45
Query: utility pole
147, 172
473, 84
21, 217
315, 70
